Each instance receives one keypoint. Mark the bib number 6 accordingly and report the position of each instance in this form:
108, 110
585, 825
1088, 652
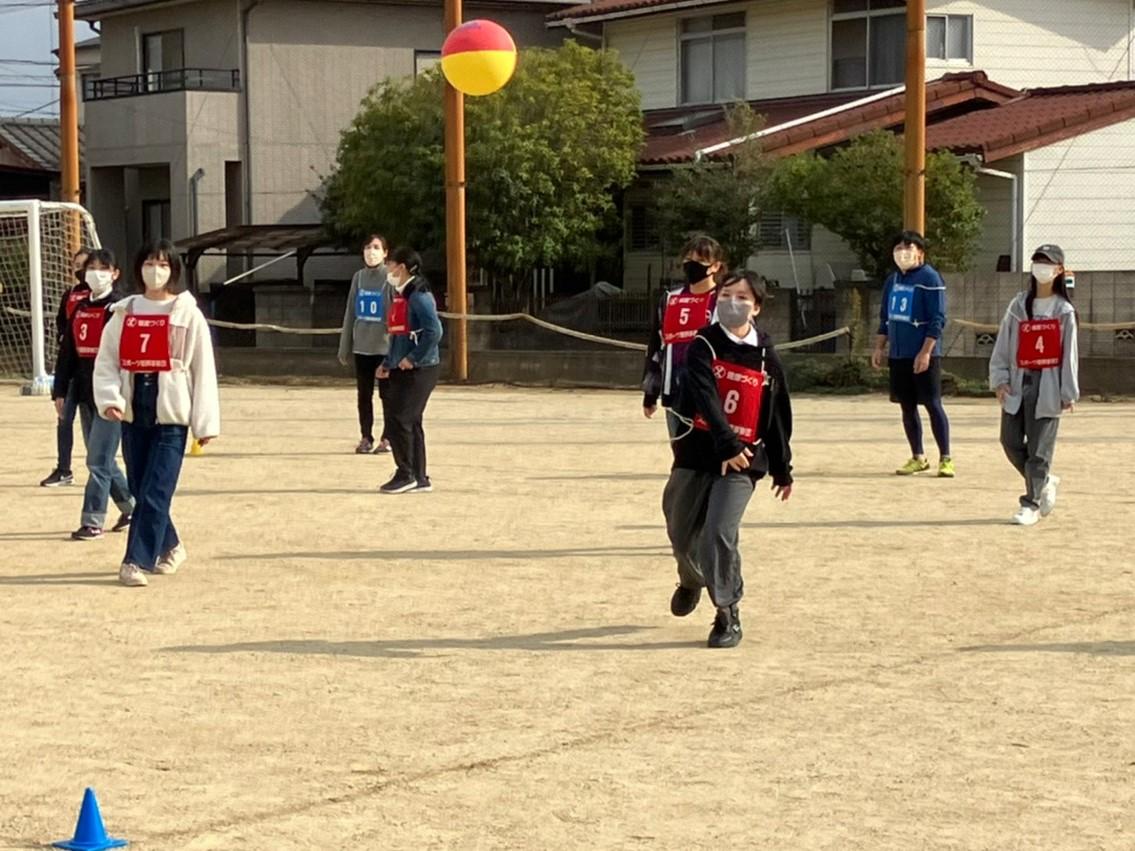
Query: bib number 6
731, 401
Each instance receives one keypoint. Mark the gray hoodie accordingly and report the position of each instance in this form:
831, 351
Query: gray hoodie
366, 336
1059, 386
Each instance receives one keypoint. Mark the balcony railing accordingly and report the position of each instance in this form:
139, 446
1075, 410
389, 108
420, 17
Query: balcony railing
153, 82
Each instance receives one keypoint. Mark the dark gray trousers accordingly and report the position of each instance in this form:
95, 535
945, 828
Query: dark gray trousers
703, 514
1029, 443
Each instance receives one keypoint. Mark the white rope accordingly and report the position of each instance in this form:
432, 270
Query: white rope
510, 317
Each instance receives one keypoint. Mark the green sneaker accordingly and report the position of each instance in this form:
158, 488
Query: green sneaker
913, 466
946, 468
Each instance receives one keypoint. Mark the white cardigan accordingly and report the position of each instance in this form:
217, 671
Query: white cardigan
187, 393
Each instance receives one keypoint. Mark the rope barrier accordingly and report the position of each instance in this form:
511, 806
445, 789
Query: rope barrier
511, 317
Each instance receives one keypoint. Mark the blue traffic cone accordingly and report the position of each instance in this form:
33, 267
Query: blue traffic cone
90, 835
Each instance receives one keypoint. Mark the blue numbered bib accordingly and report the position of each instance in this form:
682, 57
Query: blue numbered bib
368, 305
901, 307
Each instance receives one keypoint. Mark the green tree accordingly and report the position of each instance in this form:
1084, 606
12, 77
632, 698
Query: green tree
719, 196
857, 194
544, 156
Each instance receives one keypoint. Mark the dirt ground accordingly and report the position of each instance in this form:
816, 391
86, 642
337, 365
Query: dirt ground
494, 665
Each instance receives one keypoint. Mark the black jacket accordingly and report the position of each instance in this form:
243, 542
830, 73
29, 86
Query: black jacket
705, 450
63, 315
72, 371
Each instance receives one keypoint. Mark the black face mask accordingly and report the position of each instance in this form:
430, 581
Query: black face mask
695, 272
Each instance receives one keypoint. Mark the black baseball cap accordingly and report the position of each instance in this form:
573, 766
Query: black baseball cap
1051, 253
910, 237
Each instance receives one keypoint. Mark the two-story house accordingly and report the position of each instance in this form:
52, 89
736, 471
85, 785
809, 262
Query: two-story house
212, 113
1038, 96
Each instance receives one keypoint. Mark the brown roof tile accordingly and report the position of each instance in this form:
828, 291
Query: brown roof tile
1039, 117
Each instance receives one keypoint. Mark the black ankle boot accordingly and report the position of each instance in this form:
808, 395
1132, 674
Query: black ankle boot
684, 601
726, 630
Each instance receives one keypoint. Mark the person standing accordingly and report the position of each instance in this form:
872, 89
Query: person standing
737, 420
156, 374
681, 313
65, 413
912, 319
1034, 370
412, 367
364, 336
74, 371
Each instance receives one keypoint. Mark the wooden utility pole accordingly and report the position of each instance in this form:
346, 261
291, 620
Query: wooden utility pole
914, 206
455, 208
68, 105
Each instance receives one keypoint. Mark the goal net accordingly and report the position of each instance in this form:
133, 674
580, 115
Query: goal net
37, 241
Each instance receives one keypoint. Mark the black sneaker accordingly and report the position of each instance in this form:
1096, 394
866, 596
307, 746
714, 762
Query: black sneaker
365, 447
422, 486
86, 533
684, 601
58, 477
399, 484
726, 630
123, 522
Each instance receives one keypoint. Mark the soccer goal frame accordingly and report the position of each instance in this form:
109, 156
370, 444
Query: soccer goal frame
53, 230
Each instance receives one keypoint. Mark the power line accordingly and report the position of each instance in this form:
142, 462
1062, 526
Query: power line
34, 109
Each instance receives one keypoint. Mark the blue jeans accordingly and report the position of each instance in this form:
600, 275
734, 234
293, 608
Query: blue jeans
65, 433
105, 478
153, 455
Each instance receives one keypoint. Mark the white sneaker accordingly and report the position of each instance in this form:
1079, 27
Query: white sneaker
1026, 516
132, 576
171, 561
1048, 496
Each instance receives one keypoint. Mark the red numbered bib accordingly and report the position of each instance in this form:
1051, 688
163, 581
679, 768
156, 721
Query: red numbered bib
86, 330
397, 323
740, 390
144, 346
1040, 344
684, 316
74, 299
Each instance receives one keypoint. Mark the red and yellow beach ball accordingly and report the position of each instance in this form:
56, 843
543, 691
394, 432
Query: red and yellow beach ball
478, 57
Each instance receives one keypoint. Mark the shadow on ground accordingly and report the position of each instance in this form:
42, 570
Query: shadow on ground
566, 640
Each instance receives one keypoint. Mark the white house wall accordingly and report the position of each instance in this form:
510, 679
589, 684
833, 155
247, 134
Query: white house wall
1081, 195
996, 195
1020, 43
648, 47
1035, 43
786, 48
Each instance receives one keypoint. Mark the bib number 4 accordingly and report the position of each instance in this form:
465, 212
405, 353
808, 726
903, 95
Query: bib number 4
1040, 345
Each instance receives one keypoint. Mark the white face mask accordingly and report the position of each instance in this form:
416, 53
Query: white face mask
155, 277
1045, 273
373, 257
906, 258
100, 281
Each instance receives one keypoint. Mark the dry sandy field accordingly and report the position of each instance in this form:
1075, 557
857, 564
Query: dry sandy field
494, 665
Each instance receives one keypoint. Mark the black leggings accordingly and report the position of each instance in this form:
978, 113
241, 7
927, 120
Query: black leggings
365, 368
939, 425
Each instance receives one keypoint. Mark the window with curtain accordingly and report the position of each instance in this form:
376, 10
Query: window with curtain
712, 58
868, 43
949, 37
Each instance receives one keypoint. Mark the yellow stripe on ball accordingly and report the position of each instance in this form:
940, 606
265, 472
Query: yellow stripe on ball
479, 72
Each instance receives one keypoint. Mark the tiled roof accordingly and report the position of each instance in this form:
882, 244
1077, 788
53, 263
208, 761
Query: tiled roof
35, 140
806, 123
602, 8
1038, 118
